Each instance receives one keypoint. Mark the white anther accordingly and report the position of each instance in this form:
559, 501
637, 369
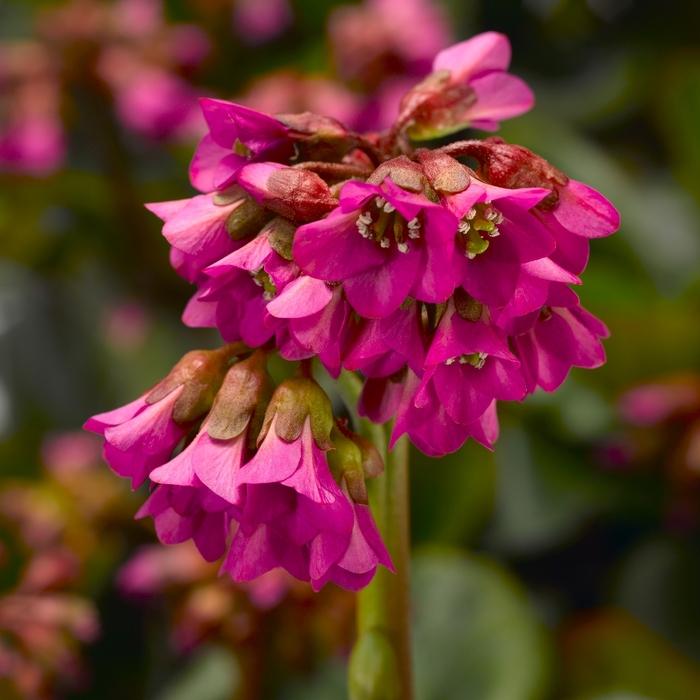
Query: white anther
402, 247
491, 215
470, 255
481, 360
464, 227
365, 218
498, 219
463, 360
414, 224
450, 361
389, 208
470, 214
380, 202
495, 233
384, 243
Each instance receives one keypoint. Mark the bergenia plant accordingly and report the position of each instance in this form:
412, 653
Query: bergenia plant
416, 290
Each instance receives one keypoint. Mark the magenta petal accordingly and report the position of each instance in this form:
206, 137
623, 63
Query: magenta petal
204, 162
499, 96
179, 471
275, 461
250, 257
484, 52
585, 212
100, 421
251, 556
303, 297
332, 249
210, 535
216, 463
380, 291
229, 122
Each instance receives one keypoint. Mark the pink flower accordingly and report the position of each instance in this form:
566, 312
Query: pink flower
181, 513
139, 436
236, 135
196, 229
235, 296
468, 366
480, 63
295, 515
560, 338
317, 322
384, 243
259, 21
142, 435
379, 38
663, 400
289, 92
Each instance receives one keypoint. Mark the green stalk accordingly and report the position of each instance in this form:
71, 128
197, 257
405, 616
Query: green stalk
380, 665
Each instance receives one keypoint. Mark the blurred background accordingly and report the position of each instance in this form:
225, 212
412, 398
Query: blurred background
564, 565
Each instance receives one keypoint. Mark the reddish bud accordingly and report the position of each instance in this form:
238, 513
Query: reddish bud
296, 194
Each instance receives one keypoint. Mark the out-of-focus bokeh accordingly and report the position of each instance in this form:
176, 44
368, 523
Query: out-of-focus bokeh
564, 565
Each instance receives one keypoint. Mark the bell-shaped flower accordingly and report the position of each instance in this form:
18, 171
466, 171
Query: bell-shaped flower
142, 435
385, 243
237, 135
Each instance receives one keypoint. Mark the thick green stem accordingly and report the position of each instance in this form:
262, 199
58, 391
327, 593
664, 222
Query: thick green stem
383, 607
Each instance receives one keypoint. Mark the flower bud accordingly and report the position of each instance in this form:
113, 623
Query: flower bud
296, 194
200, 373
373, 671
294, 401
508, 165
318, 137
280, 235
402, 171
247, 218
241, 399
436, 107
345, 462
444, 173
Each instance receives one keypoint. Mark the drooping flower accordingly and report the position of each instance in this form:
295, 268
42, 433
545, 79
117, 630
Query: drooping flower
198, 494
142, 435
295, 515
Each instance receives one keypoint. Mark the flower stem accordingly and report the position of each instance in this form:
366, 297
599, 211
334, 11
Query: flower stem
383, 607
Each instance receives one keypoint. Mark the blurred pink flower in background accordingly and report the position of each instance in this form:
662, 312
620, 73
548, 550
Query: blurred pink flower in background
259, 21
31, 135
289, 91
126, 326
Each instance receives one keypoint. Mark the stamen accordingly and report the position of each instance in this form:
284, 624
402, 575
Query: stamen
380, 202
471, 214
402, 247
389, 208
384, 243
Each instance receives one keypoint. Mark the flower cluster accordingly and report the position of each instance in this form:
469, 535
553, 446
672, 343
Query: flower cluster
446, 285
266, 481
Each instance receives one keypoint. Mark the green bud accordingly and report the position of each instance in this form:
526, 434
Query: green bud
373, 672
280, 234
246, 219
345, 462
200, 373
294, 401
242, 396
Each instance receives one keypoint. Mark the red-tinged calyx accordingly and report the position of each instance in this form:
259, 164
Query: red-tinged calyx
352, 461
293, 402
317, 137
512, 166
242, 399
200, 373
445, 174
435, 107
